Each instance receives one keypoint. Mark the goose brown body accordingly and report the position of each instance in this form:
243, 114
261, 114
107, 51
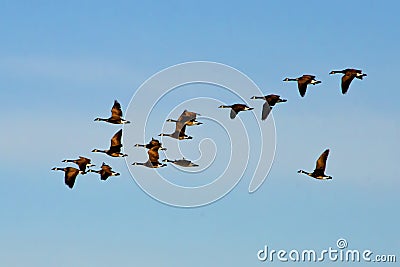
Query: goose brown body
116, 115
188, 118
70, 174
236, 108
182, 162
115, 147
105, 172
348, 77
153, 161
82, 162
179, 132
319, 171
303, 82
270, 101
152, 143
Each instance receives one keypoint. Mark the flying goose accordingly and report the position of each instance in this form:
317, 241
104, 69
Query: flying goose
152, 143
152, 162
302, 82
182, 162
82, 162
115, 148
105, 172
319, 172
70, 175
116, 115
270, 101
188, 118
236, 108
179, 132
347, 78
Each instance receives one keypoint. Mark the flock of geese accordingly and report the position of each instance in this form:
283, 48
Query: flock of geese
188, 118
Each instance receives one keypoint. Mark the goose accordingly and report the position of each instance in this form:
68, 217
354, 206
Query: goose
116, 115
236, 108
115, 148
302, 82
149, 164
270, 101
152, 143
105, 172
152, 162
182, 162
179, 132
82, 162
349, 75
319, 172
70, 175
187, 117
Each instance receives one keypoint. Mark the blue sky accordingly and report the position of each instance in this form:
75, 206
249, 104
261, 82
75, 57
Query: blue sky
63, 64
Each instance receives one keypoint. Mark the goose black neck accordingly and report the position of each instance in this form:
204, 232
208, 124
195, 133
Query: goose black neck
301, 171
337, 71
